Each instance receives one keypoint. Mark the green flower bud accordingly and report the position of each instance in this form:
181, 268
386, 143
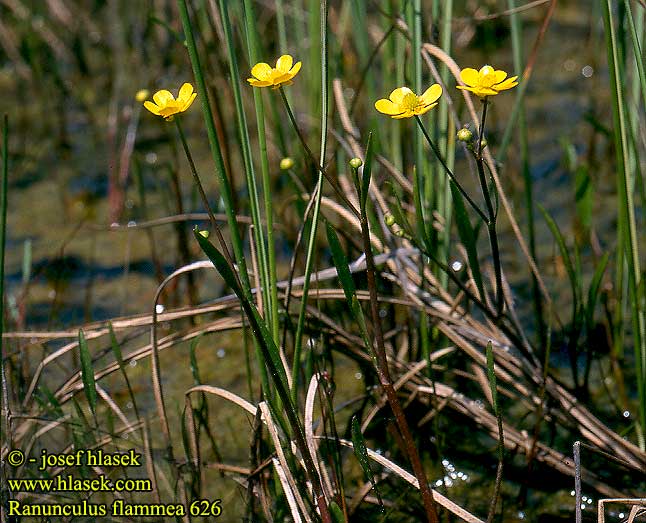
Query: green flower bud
389, 219
204, 234
464, 135
483, 143
286, 163
355, 163
399, 233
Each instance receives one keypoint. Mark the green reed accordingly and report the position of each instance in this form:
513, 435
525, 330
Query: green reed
627, 241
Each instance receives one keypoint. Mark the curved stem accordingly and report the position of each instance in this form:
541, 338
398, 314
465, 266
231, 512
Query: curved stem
311, 157
448, 171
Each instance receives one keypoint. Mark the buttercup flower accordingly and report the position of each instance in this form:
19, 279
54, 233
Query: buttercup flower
166, 105
264, 75
404, 103
486, 82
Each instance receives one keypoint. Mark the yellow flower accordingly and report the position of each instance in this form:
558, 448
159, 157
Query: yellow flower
166, 105
486, 82
264, 75
404, 103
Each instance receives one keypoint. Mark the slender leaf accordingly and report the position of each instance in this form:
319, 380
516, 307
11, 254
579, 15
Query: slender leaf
467, 236
257, 323
87, 373
361, 452
367, 173
593, 290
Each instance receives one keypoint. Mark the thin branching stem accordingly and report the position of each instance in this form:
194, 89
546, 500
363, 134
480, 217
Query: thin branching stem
312, 158
449, 172
200, 190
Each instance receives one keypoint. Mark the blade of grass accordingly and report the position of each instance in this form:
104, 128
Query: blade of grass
87, 373
5, 415
254, 48
298, 342
626, 207
468, 237
361, 452
491, 374
243, 134
516, 30
214, 144
274, 364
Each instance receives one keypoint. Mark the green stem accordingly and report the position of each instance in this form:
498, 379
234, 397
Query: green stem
243, 133
196, 178
252, 41
4, 395
449, 172
200, 189
214, 144
491, 221
516, 42
311, 157
626, 209
318, 192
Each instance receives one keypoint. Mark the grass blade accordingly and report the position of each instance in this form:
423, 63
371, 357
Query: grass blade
87, 373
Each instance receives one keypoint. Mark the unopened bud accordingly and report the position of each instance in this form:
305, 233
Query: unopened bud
286, 163
204, 234
355, 163
464, 135
483, 143
142, 95
399, 233
389, 219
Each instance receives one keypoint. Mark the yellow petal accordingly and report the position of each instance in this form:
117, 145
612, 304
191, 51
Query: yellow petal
258, 83
485, 91
151, 107
500, 76
424, 109
469, 76
486, 70
169, 110
185, 93
431, 94
262, 71
294, 70
387, 107
397, 96
405, 114
284, 63
188, 103
163, 97
507, 84
283, 79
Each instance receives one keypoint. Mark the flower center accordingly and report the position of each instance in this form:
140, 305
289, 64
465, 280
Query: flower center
410, 101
